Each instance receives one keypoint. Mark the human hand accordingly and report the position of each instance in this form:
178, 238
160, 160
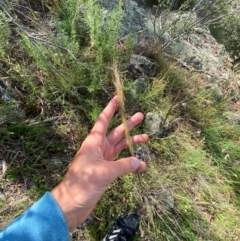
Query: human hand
94, 169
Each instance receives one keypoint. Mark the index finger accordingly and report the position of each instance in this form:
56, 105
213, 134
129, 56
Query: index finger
105, 117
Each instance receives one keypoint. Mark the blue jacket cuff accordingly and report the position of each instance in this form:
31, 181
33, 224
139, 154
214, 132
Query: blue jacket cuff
42, 221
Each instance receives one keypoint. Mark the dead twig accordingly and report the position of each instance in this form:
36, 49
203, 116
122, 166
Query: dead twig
47, 120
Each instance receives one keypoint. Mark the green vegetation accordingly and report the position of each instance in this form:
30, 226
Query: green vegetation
58, 55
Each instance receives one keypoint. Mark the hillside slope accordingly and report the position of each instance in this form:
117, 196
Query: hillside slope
55, 77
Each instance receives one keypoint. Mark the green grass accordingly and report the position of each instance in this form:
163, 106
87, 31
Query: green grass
191, 187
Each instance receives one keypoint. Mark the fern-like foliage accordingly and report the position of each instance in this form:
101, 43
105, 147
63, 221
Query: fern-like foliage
103, 27
70, 19
75, 57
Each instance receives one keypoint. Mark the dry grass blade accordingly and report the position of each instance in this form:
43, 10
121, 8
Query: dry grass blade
119, 91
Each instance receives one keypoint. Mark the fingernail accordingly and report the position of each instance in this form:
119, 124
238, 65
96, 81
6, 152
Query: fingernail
115, 103
135, 164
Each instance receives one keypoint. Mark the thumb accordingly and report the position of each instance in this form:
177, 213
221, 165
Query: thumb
125, 166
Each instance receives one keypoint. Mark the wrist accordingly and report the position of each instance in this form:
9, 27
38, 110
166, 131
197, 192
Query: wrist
74, 213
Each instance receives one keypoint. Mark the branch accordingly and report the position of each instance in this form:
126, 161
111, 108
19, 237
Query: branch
47, 120
196, 5
193, 25
190, 68
5, 11
220, 17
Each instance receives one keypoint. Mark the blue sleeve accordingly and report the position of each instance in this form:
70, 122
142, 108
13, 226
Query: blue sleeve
42, 221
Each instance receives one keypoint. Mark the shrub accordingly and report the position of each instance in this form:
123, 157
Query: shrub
228, 33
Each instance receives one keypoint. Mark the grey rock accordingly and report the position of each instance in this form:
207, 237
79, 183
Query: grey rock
87, 222
140, 153
233, 118
141, 66
144, 154
2, 196
200, 50
58, 160
162, 200
196, 48
139, 86
154, 122
3, 91
165, 38
11, 111
8, 90
203, 7
137, 22
216, 91
167, 200
141, 2
196, 62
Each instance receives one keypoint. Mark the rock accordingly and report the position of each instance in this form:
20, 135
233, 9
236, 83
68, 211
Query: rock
141, 66
87, 222
153, 123
165, 38
58, 160
3, 91
144, 154
195, 48
139, 86
233, 118
10, 111
204, 7
137, 22
3, 167
3, 130
200, 50
216, 91
140, 154
2, 196
167, 200
196, 62
162, 200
